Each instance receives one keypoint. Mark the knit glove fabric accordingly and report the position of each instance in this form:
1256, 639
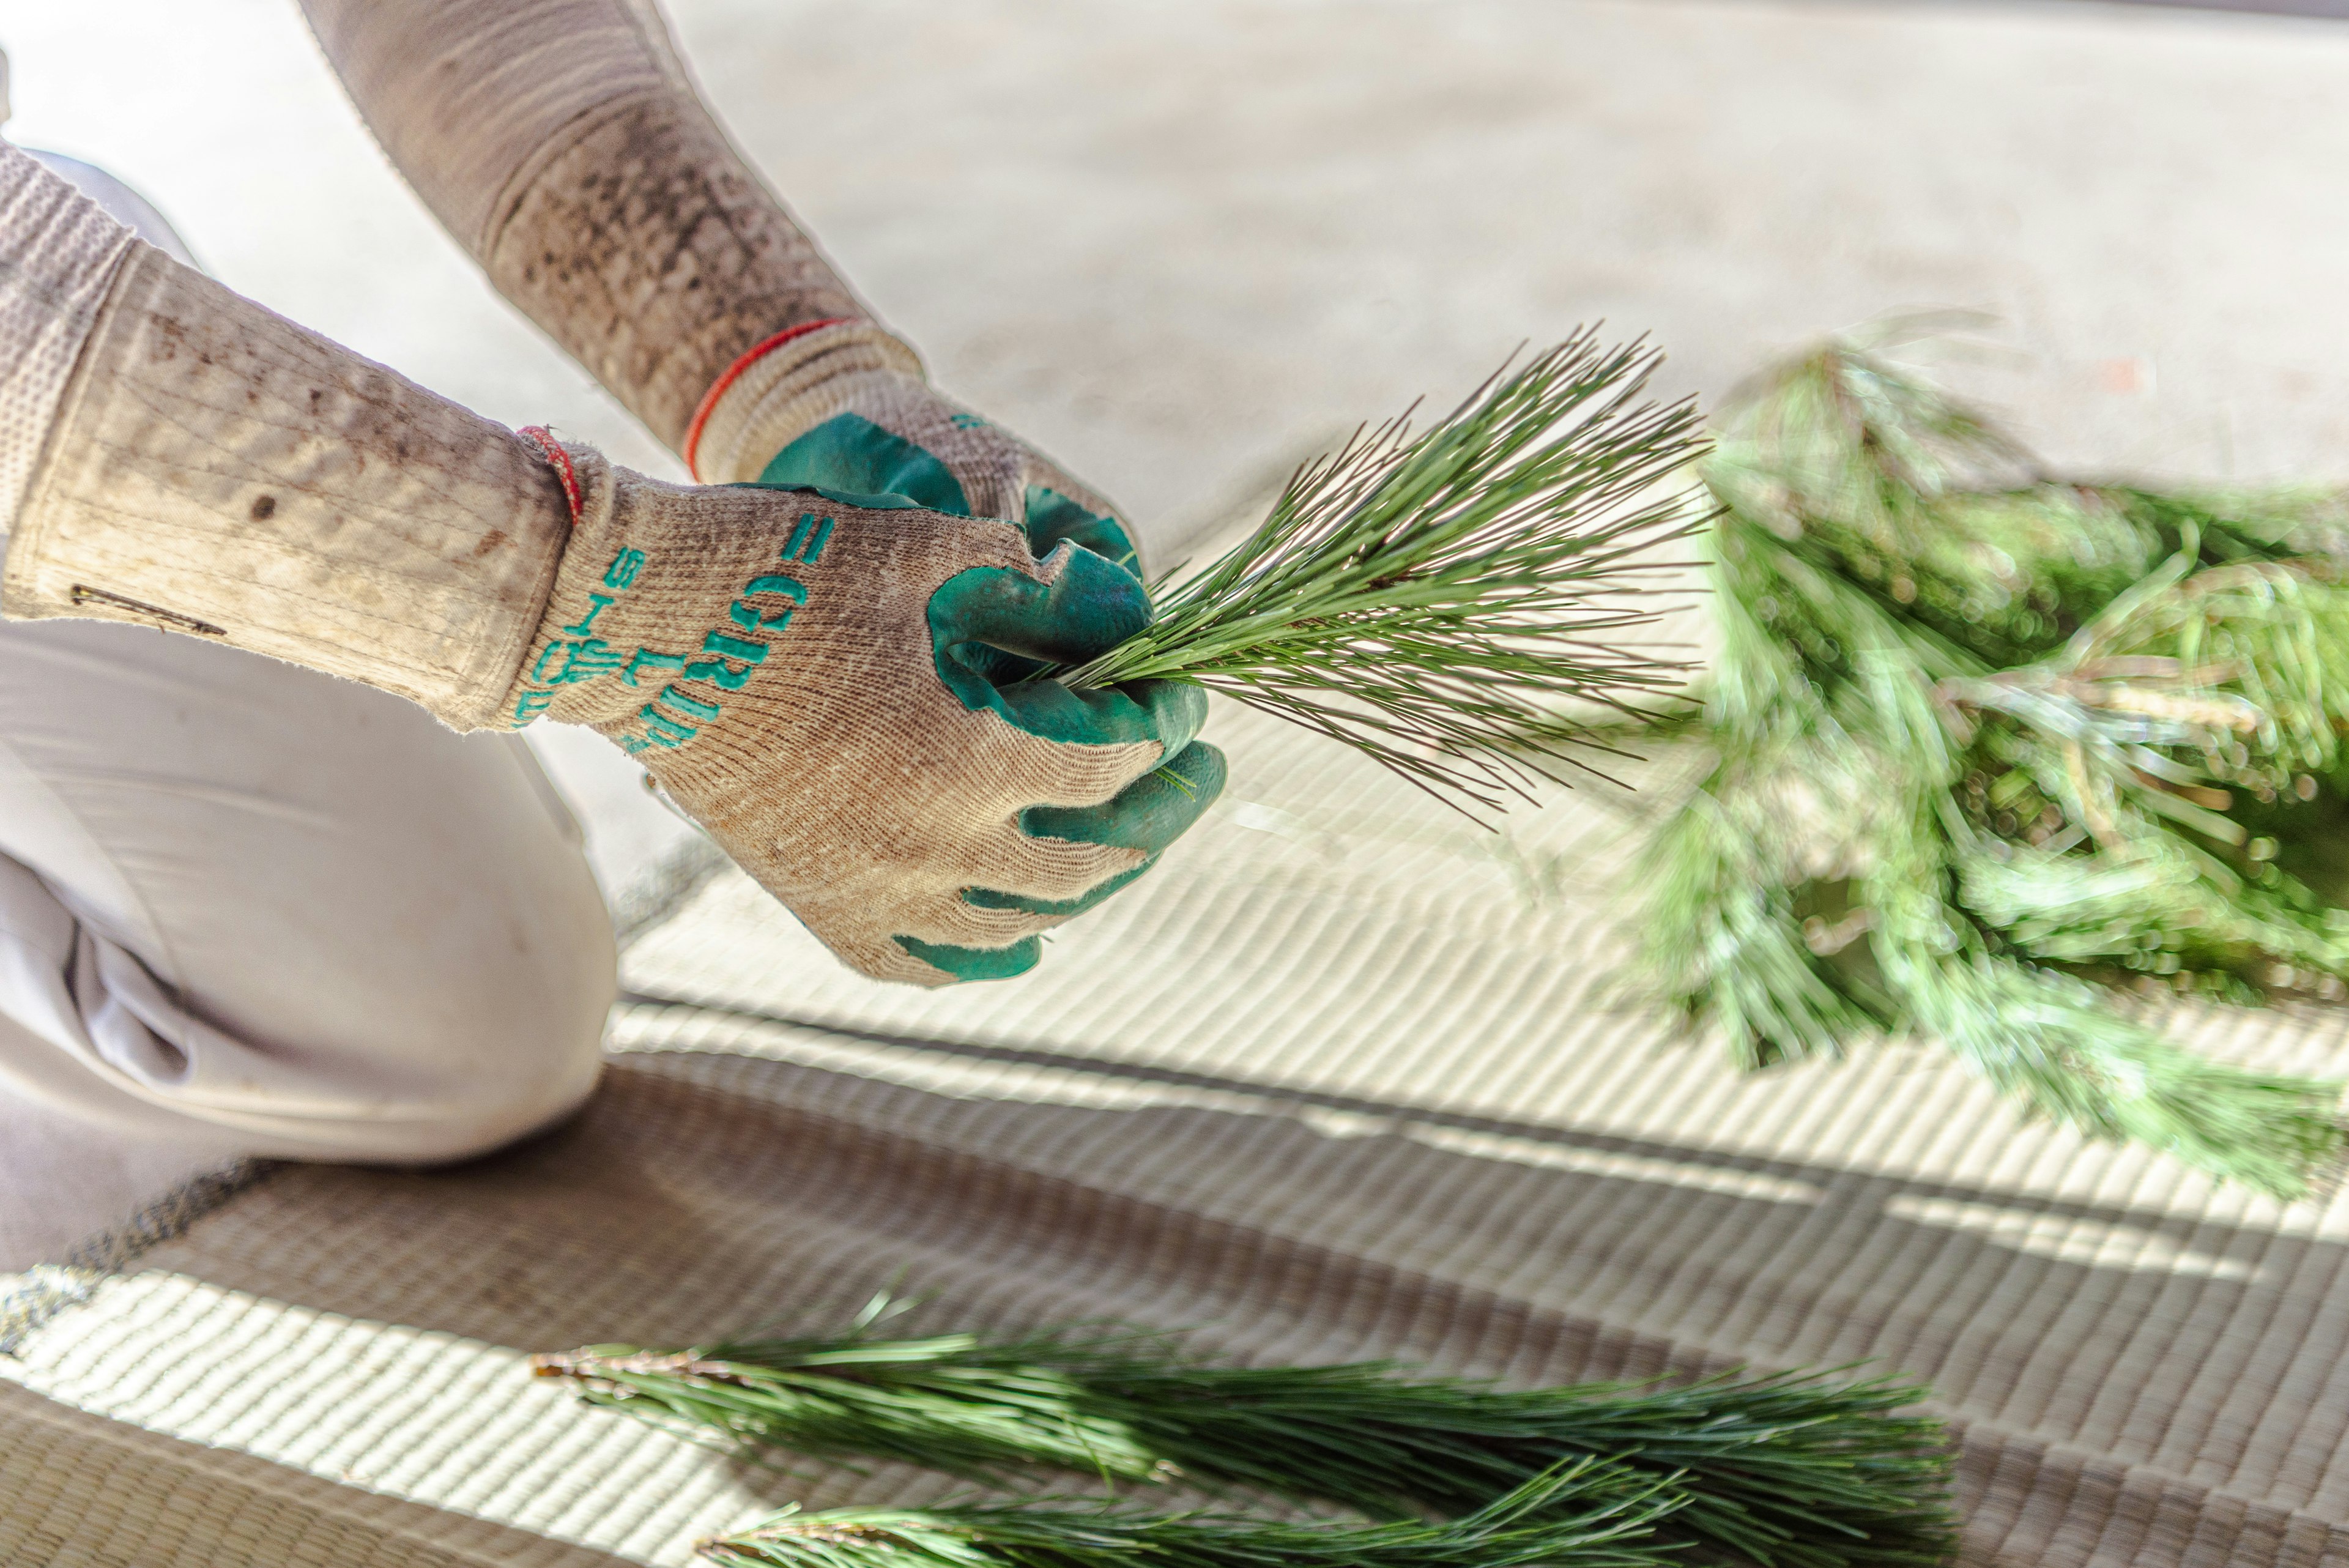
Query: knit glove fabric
845, 694
843, 405
841, 691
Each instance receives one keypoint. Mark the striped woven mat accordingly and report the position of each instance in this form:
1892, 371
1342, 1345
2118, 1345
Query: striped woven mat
1343, 1077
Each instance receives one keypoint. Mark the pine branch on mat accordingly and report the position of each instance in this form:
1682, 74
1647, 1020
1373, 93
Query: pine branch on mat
1579, 1516
1790, 1470
1440, 601
1988, 744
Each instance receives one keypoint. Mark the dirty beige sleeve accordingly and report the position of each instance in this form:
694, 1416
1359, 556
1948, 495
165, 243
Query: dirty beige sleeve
217, 470
562, 144
58, 250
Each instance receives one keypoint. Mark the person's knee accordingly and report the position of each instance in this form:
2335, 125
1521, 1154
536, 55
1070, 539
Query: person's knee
491, 1118
472, 1057
543, 1078
331, 925
527, 1055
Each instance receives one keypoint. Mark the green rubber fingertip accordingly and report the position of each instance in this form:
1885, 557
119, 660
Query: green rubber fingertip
1088, 607
989, 898
1167, 711
976, 963
982, 619
1148, 815
1052, 517
851, 458
1177, 709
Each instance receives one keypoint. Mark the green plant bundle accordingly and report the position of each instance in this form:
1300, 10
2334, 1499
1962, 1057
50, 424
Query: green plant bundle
1989, 743
1577, 1516
1788, 1470
1441, 600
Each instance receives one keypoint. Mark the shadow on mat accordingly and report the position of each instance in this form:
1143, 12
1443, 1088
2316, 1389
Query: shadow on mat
674, 1210
703, 1195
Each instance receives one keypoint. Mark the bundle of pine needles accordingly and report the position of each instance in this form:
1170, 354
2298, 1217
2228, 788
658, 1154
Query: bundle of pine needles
1989, 745
1579, 1516
1789, 1470
1443, 601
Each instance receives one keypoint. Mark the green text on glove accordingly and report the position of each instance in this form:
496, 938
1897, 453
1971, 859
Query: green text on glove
674, 716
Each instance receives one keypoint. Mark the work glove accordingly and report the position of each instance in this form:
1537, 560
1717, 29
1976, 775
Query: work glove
848, 694
844, 406
842, 693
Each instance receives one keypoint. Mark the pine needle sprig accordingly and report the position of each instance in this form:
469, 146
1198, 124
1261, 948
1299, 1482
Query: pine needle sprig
1443, 600
1988, 744
1576, 1516
1791, 1469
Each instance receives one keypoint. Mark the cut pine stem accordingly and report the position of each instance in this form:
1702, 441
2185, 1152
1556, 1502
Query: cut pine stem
1792, 1469
1577, 1516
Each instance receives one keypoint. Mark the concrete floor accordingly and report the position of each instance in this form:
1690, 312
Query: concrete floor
1181, 245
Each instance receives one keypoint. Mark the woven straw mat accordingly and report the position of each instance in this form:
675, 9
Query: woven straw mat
1344, 1076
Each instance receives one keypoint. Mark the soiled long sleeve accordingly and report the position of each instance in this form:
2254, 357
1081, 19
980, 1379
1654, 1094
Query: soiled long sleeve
58, 254
563, 145
174, 455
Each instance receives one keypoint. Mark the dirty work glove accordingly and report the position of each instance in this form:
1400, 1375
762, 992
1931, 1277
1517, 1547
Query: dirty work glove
841, 694
843, 405
837, 692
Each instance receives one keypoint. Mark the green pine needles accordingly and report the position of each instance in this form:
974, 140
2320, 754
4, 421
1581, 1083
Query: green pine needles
1577, 1516
1791, 1469
1443, 600
1989, 743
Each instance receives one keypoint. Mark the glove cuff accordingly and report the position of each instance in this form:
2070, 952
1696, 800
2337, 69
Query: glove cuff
217, 470
784, 387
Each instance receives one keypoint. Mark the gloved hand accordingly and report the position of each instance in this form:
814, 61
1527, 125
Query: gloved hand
842, 693
837, 693
843, 405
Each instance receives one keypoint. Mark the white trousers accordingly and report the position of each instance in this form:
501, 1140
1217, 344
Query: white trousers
252, 908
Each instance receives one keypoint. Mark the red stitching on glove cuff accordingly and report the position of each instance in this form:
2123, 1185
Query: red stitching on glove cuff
558, 460
708, 403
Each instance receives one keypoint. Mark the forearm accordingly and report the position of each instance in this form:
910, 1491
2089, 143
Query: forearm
58, 254
562, 144
192, 461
